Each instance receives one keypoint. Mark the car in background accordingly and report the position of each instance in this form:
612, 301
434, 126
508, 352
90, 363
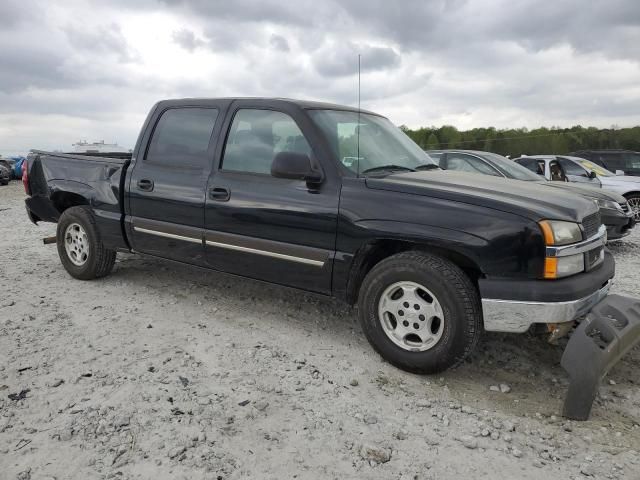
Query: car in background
565, 168
5, 172
614, 209
626, 161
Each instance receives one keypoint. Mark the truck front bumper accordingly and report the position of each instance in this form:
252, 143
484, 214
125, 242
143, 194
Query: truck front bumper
609, 331
514, 305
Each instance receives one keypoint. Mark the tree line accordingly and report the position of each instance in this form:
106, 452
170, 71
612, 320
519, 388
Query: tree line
522, 141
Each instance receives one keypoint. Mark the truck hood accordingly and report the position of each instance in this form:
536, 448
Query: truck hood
527, 199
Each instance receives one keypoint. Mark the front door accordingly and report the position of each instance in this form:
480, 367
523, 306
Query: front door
264, 227
168, 183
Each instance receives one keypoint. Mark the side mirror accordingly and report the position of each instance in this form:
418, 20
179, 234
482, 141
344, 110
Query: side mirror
620, 172
295, 166
592, 175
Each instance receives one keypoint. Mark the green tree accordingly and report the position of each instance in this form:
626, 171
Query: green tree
432, 142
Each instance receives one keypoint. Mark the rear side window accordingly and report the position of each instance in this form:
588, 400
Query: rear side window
468, 163
256, 136
181, 137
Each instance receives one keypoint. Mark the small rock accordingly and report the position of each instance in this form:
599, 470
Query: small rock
469, 442
56, 383
494, 388
24, 475
504, 388
370, 419
122, 421
176, 451
516, 453
354, 382
184, 381
261, 405
375, 454
612, 381
587, 470
401, 435
485, 432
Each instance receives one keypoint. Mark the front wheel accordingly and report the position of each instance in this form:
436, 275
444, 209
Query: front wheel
634, 204
80, 247
420, 312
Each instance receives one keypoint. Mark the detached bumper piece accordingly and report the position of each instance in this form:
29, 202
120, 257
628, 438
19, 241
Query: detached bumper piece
609, 331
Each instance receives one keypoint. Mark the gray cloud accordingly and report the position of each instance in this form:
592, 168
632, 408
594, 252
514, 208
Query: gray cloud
187, 39
279, 43
105, 39
339, 60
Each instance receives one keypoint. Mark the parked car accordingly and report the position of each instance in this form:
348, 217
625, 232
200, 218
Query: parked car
564, 168
274, 190
5, 172
614, 209
626, 161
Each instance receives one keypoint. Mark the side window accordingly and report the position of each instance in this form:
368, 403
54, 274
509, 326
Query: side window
256, 136
632, 160
469, 163
571, 168
182, 136
531, 164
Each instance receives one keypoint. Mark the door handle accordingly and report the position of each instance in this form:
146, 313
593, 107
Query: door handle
220, 194
145, 184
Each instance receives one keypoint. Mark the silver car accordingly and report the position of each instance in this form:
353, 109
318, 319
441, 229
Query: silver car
575, 169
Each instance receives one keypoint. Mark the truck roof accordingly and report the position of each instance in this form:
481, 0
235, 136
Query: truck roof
305, 104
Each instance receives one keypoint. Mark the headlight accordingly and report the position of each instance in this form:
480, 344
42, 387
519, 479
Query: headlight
558, 267
557, 233
610, 204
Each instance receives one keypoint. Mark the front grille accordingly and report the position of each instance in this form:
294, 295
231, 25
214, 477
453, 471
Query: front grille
591, 225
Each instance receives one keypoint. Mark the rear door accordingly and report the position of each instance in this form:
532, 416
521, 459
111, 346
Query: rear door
263, 227
168, 182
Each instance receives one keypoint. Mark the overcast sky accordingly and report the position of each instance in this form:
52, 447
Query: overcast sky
91, 70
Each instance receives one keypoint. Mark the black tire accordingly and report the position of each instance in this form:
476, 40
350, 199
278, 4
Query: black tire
99, 261
454, 291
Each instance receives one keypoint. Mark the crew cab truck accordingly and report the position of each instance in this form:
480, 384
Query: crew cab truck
339, 202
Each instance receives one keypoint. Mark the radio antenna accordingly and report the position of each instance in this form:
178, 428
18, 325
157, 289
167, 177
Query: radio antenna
358, 125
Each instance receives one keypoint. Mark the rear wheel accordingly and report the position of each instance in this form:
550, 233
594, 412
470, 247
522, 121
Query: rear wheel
80, 247
634, 204
420, 312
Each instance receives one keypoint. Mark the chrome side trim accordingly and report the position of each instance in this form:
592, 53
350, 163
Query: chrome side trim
282, 256
516, 317
597, 240
167, 235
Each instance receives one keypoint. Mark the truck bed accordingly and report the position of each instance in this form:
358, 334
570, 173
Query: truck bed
56, 180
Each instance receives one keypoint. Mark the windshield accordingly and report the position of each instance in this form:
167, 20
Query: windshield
600, 171
511, 169
381, 143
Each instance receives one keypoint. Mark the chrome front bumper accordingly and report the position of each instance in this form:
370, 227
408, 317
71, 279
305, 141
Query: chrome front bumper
516, 317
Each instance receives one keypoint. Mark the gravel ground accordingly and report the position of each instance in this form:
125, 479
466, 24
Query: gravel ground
162, 371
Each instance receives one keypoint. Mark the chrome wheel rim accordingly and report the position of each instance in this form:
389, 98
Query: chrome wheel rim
411, 316
634, 205
76, 244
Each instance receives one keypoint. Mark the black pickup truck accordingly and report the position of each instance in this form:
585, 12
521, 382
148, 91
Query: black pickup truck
337, 201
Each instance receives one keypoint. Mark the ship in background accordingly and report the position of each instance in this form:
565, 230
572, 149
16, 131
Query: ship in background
98, 147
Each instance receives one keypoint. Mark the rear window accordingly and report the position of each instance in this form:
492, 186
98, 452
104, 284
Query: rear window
181, 137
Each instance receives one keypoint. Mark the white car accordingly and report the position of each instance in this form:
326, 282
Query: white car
575, 169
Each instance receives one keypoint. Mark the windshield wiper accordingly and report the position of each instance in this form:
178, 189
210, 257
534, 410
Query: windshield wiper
427, 166
391, 168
